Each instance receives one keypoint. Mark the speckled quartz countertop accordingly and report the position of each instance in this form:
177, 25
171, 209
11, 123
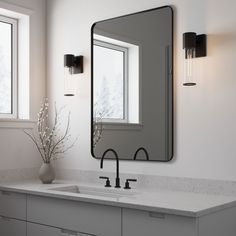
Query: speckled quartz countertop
161, 201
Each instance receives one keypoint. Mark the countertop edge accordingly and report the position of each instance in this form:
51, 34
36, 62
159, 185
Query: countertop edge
111, 202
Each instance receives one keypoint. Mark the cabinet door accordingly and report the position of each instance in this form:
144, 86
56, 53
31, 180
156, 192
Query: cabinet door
93, 219
12, 227
142, 223
13, 205
42, 230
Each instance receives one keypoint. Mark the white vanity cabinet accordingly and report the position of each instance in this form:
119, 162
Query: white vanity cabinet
140, 223
12, 214
13, 205
76, 216
12, 227
33, 215
43, 230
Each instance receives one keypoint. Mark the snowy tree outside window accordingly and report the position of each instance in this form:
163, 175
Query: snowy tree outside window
5, 68
110, 92
8, 67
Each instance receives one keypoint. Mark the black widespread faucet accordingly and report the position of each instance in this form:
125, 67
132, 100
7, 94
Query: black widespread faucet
117, 165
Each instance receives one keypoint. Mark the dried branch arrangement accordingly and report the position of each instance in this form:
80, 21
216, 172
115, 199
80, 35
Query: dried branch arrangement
97, 129
50, 143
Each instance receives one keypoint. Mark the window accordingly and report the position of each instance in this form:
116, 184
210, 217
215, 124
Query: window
8, 67
117, 78
111, 82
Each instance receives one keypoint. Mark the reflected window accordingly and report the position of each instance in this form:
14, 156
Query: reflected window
111, 82
116, 81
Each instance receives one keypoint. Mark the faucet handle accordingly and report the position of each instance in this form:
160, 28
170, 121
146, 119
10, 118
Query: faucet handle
127, 183
108, 184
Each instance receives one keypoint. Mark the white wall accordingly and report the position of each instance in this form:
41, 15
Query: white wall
17, 151
205, 115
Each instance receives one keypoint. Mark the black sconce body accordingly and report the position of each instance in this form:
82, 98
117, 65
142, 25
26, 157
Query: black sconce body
194, 46
193, 41
75, 63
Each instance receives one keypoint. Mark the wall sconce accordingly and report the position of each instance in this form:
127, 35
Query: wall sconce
73, 65
194, 46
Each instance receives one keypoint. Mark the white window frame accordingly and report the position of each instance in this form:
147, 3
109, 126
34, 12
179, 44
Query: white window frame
125, 52
14, 66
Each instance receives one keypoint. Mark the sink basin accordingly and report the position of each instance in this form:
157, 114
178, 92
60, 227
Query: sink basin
95, 191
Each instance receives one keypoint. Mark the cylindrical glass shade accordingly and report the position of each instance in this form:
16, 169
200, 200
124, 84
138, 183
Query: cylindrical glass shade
69, 82
189, 79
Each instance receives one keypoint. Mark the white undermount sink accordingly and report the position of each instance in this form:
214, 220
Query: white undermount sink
95, 191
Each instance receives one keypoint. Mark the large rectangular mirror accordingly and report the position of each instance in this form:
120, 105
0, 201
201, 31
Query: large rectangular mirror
132, 95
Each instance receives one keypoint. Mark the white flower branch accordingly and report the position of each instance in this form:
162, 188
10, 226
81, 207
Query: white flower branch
97, 128
49, 142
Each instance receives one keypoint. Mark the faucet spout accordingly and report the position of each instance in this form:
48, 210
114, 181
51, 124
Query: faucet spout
117, 165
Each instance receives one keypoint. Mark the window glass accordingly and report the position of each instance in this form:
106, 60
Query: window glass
110, 83
5, 68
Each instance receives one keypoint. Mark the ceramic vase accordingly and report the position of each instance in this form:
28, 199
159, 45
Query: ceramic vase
46, 173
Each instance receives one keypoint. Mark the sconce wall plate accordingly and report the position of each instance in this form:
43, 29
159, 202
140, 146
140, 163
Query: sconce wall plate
201, 49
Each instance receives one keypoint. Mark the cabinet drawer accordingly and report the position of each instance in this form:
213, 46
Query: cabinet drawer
12, 227
13, 205
140, 223
89, 218
42, 230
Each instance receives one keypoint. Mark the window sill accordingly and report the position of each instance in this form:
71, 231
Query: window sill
121, 126
17, 123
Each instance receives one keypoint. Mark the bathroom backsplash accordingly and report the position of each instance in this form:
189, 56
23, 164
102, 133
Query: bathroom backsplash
153, 182
150, 182
18, 174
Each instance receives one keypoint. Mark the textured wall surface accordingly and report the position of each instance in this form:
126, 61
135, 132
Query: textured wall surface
204, 116
17, 151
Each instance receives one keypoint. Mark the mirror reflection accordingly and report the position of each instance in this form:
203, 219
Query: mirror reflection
132, 85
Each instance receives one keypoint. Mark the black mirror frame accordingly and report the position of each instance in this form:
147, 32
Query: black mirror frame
172, 90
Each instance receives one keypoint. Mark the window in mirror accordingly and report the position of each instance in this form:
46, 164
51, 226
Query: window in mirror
116, 96
111, 81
